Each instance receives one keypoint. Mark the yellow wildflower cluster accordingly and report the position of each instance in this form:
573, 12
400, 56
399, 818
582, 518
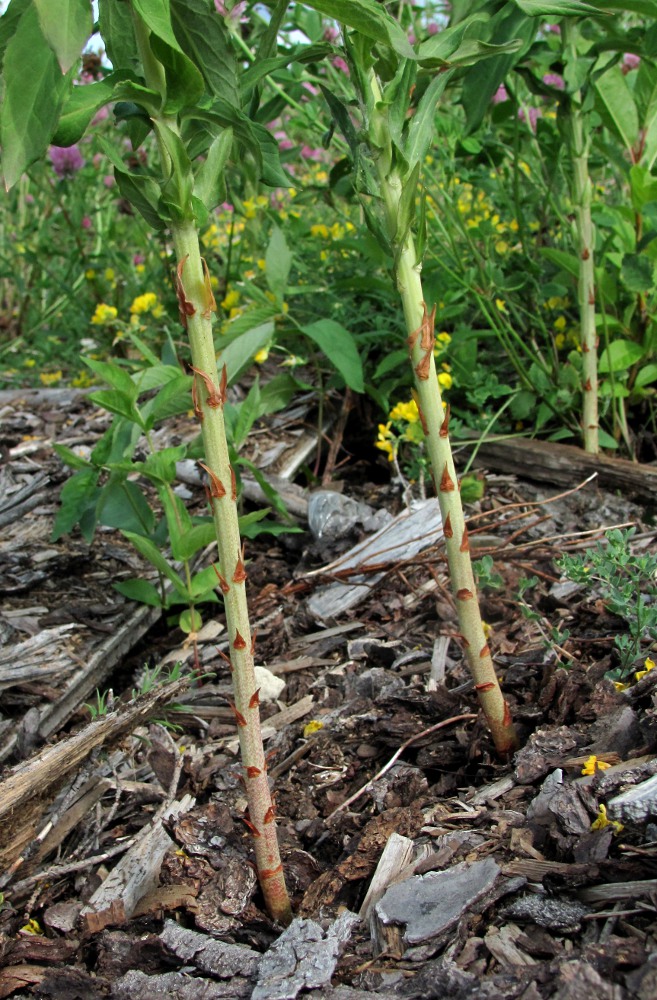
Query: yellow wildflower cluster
104, 314
50, 378
386, 441
476, 209
648, 665
146, 303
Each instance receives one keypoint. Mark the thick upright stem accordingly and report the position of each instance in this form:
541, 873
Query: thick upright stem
581, 191
196, 305
435, 422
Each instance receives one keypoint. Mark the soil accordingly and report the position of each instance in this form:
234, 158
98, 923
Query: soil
503, 884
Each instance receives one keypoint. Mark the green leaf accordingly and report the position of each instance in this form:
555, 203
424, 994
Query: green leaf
118, 402
198, 537
179, 522
210, 179
421, 128
115, 376
278, 261
616, 106
190, 621
177, 189
646, 375
160, 466
150, 551
204, 583
118, 33
184, 82
156, 15
66, 25
73, 460
34, 90
339, 346
173, 398
139, 590
638, 273
239, 354
77, 496
370, 18
619, 356
204, 37
556, 8
123, 505
143, 194
80, 106
9, 22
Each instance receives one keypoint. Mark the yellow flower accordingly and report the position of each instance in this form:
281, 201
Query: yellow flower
320, 230
445, 380
231, 300
144, 303
31, 927
620, 686
560, 323
501, 305
312, 727
502, 247
90, 274
29, 363
83, 380
261, 355
443, 338
487, 630
140, 268
104, 314
603, 820
559, 341
262, 264
249, 208
110, 274
405, 411
592, 765
337, 231
384, 441
50, 378
648, 665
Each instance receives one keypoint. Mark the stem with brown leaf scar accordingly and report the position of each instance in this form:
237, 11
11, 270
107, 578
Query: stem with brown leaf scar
435, 422
196, 304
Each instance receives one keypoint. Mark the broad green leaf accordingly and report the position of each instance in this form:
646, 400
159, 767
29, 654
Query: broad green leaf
71, 458
568, 262
263, 67
421, 128
616, 106
139, 590
190, 621
204, 583
239, 354
115, 376
210, 179
619, 356
76, 496
156, 15
203, 37
247, 414
66, 25
638, 273
118, 33
9, 22
150, 551
278, 261
179, 522
143, 194
34, 90
370, 18
646, 375
198, 537
184, 82
160, 466
123, 505
557, 8
117, 402
81, 105
172, 398
258, 140
156, 375
177, 190
339, 346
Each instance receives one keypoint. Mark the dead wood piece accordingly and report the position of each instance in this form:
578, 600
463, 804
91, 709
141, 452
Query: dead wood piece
218, 958
166, 897
579, 981
15, 977
397, 854
35, 659
89, 795
135, 985
38, 779
554, 914
136, 874
402, 539
502, 944
536, 871
14, 505
636, 805
565, 465
425, 907
618, 890
303, 958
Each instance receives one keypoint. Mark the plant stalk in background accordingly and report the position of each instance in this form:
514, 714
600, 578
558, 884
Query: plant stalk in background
435, 419
196, 303
581, 191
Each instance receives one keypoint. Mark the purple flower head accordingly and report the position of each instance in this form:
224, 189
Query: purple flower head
433, 28
500, 95
313, 91
553, 29
331, 34
630, 62
86, 222
66, 160
284, 144
234, 15
312, 154
138, 259
109, 181
411, 37
554, 80
340, 64
532, 116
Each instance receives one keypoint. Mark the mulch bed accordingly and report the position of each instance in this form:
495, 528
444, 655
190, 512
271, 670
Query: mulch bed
493, 882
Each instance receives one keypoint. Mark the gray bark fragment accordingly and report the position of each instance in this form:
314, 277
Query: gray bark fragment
636, 805
430, 904
225, 961
175, 986
303, 958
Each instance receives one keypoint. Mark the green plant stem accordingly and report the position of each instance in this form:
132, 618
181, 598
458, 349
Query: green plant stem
435, 421
261, 818
581, 188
